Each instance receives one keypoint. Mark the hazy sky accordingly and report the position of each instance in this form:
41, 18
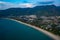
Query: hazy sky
27, 3
32, 1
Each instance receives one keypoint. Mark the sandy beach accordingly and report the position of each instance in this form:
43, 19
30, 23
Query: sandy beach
55, 37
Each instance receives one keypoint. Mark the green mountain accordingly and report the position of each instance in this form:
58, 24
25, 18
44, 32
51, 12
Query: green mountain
48, 10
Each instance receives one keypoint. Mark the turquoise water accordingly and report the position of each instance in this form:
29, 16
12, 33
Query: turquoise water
11, 30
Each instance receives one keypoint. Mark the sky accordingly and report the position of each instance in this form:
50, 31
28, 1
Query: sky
4, 4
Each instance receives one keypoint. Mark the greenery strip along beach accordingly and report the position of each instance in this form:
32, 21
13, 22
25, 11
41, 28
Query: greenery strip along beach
55, 37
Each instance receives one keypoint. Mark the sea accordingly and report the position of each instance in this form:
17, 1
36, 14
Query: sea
13, 30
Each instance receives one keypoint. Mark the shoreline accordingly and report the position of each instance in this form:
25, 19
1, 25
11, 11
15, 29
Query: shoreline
55, 37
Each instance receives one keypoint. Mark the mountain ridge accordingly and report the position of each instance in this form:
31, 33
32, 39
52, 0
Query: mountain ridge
49, 10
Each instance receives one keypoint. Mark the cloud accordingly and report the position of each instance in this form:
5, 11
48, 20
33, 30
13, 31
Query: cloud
26, 5
50, 2
6, 5
45, 3
57, 2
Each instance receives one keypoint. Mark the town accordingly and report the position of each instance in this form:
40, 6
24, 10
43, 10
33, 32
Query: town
49, 23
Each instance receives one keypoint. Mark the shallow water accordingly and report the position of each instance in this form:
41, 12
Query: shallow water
12, 30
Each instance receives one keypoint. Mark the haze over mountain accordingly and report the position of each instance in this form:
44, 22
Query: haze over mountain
29, 7
5, 4
48, 10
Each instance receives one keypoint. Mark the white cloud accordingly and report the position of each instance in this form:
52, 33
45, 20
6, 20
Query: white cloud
57, 2
26, 5
6, 5
33, 3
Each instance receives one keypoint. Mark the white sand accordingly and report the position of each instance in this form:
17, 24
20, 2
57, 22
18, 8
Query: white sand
55, 37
